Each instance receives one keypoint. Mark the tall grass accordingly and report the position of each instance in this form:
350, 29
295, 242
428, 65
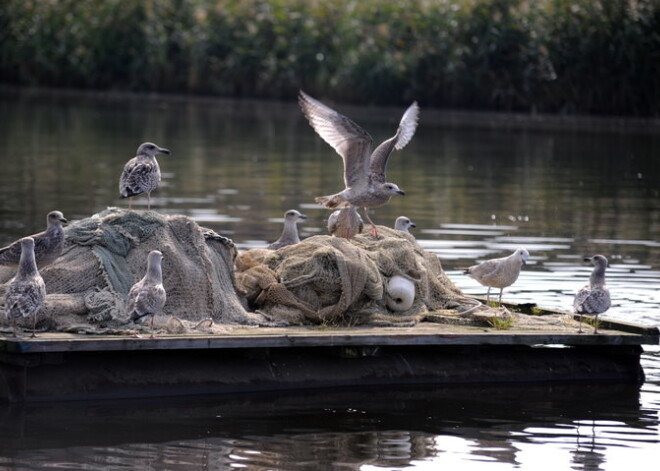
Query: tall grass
568, 56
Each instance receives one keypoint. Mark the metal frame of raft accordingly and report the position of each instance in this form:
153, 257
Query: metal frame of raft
58, 366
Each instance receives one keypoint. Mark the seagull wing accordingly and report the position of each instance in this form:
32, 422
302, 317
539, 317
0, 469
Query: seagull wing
404, 134
138, 176
350, 141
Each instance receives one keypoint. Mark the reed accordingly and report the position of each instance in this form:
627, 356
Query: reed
567, 56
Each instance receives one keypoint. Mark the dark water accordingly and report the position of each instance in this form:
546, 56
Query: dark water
477, 186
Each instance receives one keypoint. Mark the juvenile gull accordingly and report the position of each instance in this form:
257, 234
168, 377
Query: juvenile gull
25, 292
364, 170
402, 223
141, 174
290, 232
345, 222
147, 297
594, 297
499, 272
48, 244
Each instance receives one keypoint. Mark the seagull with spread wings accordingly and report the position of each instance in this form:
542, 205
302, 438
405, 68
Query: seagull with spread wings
364, 171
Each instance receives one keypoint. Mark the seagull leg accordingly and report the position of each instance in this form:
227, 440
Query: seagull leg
501, 289
580, 328
488, 295
596, 324
374, 231
34, 325
152, 327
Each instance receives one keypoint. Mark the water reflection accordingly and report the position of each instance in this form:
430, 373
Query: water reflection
329, 429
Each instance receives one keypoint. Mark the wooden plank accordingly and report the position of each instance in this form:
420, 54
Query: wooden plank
309, 337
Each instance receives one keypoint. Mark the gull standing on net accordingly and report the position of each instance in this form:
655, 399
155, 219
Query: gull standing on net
364, 170
499, 272
147, 297
345, 222
290, 232
48, 244
141, 174
402, 223
26, 292
594, 297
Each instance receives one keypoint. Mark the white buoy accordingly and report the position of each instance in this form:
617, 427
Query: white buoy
400, 293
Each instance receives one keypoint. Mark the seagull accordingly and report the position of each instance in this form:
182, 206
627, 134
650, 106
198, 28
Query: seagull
345, 222
594, 297
141, 174
290, 232
147, 297
25, 292
499, 272
48, 244
364, 170
402, 223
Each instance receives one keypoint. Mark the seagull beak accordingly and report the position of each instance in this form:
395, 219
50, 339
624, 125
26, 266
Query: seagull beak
401, 192
163, 150
302, 216
587, 259
412, 224
64, 220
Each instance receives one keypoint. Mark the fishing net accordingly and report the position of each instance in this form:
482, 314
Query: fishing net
107, 253
342, 281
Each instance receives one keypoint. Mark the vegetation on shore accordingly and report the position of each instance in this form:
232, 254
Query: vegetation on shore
566, 56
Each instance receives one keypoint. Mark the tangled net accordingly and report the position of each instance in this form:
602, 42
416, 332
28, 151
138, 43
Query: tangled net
107, 252
341, 281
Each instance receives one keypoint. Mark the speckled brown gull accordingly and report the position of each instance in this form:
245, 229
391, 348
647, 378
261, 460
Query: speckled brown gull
594, 297
290, 232
499, 272
26, 292
402, 223
48, 244
364, 171
345, 222
147, 297
141, 174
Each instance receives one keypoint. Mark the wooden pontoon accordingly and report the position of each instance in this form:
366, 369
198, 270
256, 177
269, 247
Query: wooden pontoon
59, 366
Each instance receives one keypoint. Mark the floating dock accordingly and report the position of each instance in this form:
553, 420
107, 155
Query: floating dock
61, 366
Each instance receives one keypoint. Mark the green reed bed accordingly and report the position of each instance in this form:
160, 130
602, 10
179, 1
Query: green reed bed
578, 56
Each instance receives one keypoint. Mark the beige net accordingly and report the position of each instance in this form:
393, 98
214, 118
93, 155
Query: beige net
341, 281
106, 253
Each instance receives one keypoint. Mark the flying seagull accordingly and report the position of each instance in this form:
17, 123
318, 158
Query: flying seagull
364, 170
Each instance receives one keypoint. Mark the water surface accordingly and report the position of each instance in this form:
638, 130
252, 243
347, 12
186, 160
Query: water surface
477, 186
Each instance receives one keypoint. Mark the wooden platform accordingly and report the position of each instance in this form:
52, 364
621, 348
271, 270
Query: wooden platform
58, 366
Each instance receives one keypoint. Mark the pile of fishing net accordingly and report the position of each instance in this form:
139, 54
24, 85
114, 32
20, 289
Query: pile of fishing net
387, 281
107, 253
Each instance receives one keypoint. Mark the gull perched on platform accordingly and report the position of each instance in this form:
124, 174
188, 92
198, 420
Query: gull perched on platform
141, 174
402, 223
26, 292
364, 170
48, 244
594, 297
290, 232
345, 222
147, 297
499, 272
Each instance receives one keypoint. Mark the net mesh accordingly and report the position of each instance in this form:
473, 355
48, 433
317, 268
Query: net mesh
334, 280
107, 253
